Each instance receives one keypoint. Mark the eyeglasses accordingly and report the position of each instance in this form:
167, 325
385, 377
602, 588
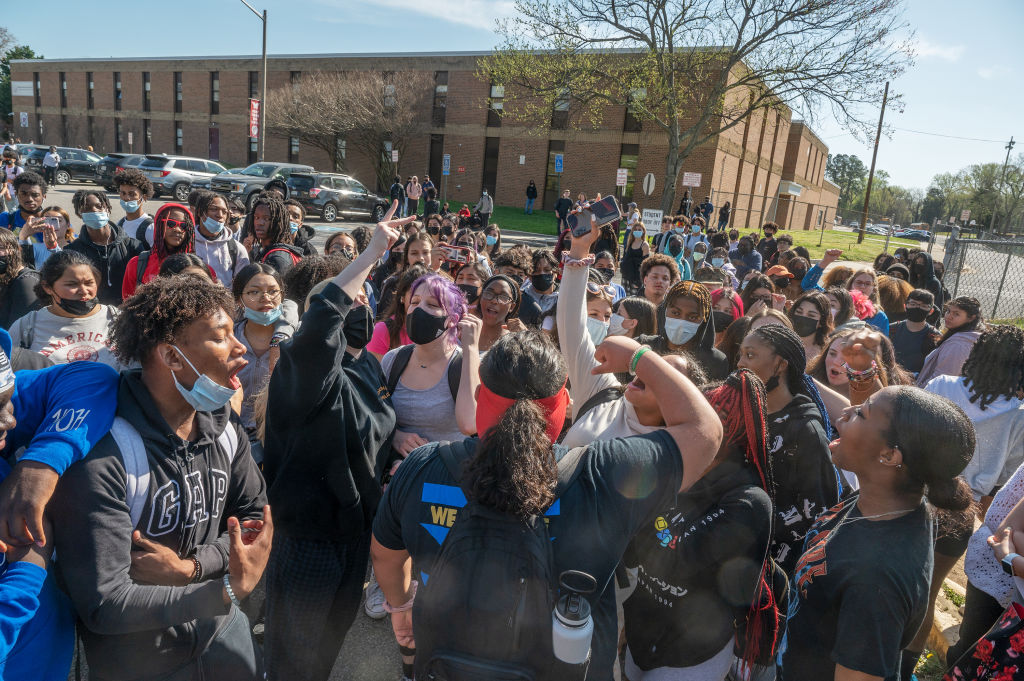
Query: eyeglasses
598, 289
272, 294
767, 300
171, 223
491, 296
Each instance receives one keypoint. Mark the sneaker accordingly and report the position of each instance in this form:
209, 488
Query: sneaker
374, 606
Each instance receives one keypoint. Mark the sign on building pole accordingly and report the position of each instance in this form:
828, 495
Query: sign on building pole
649, 184
965, 216
254, 118
652, 220
558, 163
24, 119
446, 164
691, 179
394, 155
621, 175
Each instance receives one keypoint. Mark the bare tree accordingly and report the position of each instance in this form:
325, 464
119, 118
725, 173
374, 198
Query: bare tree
369, 110
696, 68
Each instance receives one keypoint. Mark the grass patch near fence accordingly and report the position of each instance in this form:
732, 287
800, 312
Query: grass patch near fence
1018, 322
513, 218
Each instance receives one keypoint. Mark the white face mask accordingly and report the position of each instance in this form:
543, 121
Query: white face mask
597, 329
680, 331
615, 327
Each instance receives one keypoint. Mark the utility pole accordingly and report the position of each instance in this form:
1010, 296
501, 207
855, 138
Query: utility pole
1002, 181
871, 175
263, 101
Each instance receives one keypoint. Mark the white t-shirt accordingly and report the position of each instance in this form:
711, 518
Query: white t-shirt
69, 339
132, 226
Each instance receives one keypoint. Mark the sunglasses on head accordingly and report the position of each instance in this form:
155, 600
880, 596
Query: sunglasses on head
597, 289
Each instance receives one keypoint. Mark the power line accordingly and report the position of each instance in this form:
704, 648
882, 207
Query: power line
955, 137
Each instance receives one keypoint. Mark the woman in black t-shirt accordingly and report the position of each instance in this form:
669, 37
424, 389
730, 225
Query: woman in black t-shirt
701, 563
860, 590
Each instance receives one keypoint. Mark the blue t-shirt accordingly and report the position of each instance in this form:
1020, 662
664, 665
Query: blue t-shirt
623, 482
37, 627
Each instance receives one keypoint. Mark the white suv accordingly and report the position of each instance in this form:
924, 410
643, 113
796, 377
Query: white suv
174, 175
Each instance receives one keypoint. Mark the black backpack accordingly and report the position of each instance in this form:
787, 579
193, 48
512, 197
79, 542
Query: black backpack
401, 362
486, 612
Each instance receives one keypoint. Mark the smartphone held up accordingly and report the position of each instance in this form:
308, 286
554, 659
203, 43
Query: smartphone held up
595, 214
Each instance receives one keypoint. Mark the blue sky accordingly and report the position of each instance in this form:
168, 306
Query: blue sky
966, 83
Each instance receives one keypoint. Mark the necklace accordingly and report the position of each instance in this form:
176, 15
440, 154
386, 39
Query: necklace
847, 520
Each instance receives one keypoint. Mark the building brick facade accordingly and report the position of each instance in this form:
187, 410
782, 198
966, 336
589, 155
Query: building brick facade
199, 107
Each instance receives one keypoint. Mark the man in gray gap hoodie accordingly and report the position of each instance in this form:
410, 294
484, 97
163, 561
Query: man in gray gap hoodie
148, 524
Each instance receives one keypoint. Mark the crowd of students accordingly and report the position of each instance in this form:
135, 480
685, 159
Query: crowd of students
763, 467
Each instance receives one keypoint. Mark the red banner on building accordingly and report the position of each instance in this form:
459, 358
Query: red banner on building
254, 118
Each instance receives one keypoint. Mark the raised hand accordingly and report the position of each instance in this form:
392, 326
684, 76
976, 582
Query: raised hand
248, 555
614, 355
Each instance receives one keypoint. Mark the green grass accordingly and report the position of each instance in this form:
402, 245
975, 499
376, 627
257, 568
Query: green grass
512, 217
954, 598
1018, 322
930, 668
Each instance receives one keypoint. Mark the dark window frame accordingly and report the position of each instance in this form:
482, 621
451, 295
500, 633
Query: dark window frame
117, 90
63, 90
179, 92
214, 92
90, 86
147, 87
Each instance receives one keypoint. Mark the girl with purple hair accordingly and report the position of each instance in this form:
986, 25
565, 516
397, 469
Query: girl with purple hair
426, 406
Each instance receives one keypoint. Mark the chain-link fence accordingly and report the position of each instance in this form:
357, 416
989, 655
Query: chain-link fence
989, 269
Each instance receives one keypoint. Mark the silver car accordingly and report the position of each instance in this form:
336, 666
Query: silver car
174, 175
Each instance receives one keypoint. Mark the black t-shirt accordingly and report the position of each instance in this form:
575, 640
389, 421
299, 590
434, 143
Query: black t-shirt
623, 482
913, 346
859, 594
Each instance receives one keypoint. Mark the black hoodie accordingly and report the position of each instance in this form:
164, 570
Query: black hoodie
806, 482
329, 422
698, 565
303, 240
701, 347
110, 259
927, 280
279, 256
135, 630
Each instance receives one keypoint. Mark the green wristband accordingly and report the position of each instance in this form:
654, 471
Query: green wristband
636, 358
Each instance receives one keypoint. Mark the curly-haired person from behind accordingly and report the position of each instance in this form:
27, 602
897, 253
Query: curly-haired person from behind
156, 576
512, 471
860, 589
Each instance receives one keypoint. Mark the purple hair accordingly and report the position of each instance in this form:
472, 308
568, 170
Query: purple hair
451, 297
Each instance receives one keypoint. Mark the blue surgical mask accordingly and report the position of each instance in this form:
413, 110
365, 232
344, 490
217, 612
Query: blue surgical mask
680, 331
206, 394
294, 226
130, 206
680, 229
637, 233
717, 262
212, 226
697, 256
615, 327
597, 329
260, 317
491, 239
95, 220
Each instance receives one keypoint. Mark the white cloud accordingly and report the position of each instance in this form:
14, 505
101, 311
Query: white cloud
478, 14
928, 50
994, 72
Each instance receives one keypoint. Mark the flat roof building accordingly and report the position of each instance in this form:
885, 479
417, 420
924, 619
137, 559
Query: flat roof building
199, 106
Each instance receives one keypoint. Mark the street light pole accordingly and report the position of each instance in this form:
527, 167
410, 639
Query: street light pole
262, 16
1002, 180
871, 174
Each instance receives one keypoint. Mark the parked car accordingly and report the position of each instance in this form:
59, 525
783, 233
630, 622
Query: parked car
331, 196
111, 164
919, 234
876, 229
174, 175
855, 224
75, 164
245, 185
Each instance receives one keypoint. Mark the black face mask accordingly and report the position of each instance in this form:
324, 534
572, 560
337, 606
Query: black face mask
722, 319
675, 247
542, 282
781, 283
358, 327
423, 327
744, 249
77, 307
804, 326
472, 292
607, 273
4, 264
916, 314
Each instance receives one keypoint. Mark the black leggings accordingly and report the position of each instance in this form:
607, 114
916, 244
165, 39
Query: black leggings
980, 612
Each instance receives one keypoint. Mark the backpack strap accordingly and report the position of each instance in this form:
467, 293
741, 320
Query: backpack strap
140, 231
569, 468
455, 374
228, 440
233, 252
28, 331
136, 466
597, 399
140, 267
399, 366
295, 258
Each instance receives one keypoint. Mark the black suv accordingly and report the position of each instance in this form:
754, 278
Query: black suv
75, 164
331, 196
111, 164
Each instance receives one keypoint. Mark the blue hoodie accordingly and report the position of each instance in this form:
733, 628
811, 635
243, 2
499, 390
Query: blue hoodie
61, 412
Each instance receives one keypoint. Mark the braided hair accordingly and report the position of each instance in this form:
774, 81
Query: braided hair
788, 346
278, 231
693, 290
742, 404
995, 367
